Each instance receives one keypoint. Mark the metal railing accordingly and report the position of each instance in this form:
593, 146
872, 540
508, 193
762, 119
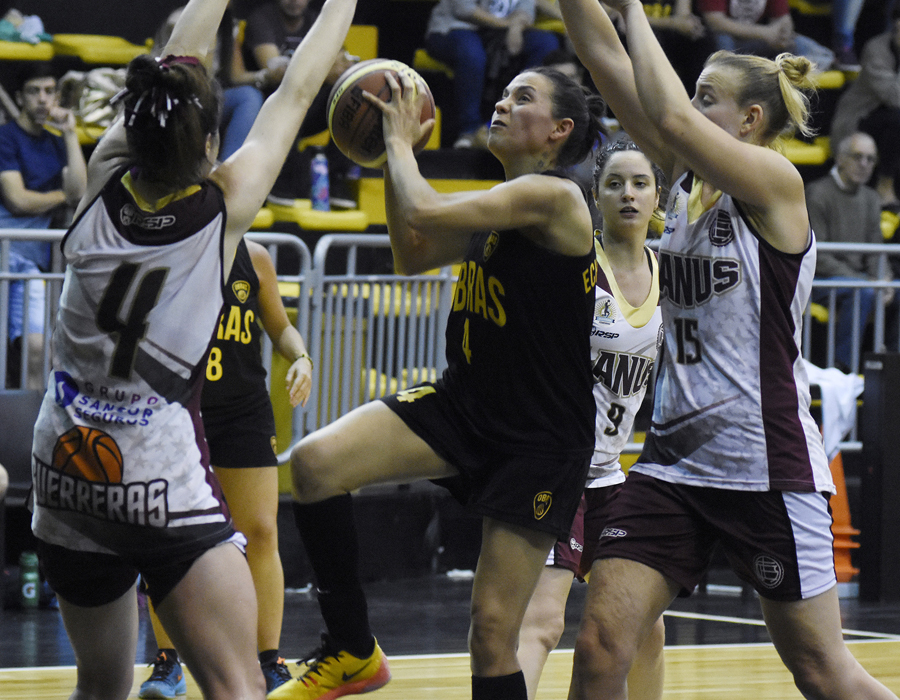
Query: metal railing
374, 334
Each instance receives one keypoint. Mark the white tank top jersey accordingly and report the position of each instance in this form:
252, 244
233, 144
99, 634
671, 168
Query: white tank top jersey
731, 408
625, 341
119, 447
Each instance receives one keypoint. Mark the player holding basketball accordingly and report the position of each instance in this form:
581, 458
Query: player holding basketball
510, 423
732, 455
152, 244
240, 431
625, 339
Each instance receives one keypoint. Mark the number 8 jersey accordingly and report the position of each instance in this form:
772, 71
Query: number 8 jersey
731, 408
119, 443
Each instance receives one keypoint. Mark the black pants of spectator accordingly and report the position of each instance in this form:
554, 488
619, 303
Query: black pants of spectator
883, 125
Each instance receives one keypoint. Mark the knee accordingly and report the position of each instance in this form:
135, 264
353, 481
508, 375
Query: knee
542, 626
492, 637
261, 533
599, 653
308, 469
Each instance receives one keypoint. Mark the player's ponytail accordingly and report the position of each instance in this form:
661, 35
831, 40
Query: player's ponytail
171, 107
584, 108
781, 87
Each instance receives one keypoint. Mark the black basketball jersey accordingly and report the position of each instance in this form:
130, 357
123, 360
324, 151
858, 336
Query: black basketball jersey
235, 377
518, 345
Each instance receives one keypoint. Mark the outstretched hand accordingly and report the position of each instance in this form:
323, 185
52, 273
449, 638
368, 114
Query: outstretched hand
402, 114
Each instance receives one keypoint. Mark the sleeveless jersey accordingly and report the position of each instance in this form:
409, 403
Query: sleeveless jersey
235, 384
518, 347
120, 461
731, 408
625, 341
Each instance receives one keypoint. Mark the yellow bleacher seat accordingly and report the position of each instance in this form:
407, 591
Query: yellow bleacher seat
302, 214
263, 220
889, 222
371, 193
23, 51
801, 153
805, 7
362, 41
831, 80
550, 24
422, 61
97, 48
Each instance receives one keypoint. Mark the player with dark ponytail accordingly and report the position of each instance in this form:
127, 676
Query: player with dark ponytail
147, 257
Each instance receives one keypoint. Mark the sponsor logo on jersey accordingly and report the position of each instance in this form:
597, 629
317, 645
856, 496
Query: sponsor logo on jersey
490, 245
721, 230
241, 289
769, 571
613, 532
609, 335
605, 312
575, 545
103, 404
542, 503
130, 215
692, 280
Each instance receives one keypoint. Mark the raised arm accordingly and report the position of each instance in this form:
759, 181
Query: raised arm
598, 47
753, 174
248, 175
429, 229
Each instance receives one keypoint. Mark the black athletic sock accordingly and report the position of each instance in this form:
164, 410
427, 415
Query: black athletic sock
511, 687
329, 534
268, 656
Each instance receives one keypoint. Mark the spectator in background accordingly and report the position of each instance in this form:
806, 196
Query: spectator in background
872, 104
242, 96
41, 174
843, 209
682, 35
761, 27
844, 15
272, 33
484, 40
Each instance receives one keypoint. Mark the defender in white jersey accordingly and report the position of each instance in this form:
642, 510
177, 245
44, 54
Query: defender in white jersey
732, 456
626, 335
122, 483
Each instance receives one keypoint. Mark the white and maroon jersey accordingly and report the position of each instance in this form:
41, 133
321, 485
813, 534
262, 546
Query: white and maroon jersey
120, 460
731, 408
625, 340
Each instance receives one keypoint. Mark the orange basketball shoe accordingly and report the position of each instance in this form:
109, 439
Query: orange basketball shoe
331, 673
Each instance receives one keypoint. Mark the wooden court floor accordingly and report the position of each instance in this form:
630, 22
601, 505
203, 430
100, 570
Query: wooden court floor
736, 672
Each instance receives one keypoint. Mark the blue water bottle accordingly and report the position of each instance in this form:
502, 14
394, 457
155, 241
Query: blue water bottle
319, 169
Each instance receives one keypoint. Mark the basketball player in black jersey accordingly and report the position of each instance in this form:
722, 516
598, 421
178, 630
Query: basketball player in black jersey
509, 426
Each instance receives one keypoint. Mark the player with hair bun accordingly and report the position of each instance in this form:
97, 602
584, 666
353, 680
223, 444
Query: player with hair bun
732, 455
147, 258
510, 424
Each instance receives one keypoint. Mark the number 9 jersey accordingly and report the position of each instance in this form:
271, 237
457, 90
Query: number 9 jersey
119, 445
625, 341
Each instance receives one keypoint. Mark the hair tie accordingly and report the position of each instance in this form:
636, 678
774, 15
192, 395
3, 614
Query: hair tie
167, 62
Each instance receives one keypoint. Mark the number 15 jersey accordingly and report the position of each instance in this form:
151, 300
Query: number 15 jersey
731, 408
120, 461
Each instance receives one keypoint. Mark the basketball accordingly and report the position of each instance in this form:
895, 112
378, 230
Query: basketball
354, 123
90, 454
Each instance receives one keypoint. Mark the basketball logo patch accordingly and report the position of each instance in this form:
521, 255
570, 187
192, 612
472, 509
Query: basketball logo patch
542, 503
491, 245
241, 289
90, 454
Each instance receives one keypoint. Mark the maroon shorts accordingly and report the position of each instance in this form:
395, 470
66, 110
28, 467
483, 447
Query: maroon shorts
779, 542
576, 552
